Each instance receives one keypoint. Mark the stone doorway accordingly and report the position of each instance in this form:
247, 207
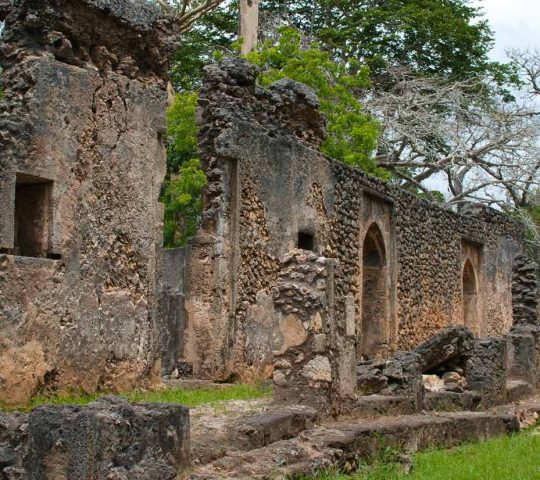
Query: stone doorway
470, 297
375, 295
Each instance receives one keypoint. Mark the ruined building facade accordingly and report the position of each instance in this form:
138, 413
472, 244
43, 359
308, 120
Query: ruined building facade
301, 264
389, 268
82, 161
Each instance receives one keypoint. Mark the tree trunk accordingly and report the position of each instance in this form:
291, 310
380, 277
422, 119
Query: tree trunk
249, 23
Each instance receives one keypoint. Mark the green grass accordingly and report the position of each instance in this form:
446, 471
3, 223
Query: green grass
189, 397
515, 457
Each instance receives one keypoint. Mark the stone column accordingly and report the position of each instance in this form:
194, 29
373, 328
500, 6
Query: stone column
523, 340
303, 300
485, 370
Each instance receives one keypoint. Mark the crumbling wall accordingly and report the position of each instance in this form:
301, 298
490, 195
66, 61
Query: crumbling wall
523, 341
268, 184
83, 110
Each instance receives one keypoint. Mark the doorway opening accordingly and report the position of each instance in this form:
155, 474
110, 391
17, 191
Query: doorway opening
470, 297
374, 293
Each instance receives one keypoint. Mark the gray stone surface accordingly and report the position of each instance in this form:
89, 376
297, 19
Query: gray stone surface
486, 370
108, 438
449, 343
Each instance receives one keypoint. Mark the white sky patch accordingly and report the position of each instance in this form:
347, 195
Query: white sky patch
515, 23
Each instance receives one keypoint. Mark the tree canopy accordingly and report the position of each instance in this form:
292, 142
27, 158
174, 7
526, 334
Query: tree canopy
442, 37
407, 86
352, 134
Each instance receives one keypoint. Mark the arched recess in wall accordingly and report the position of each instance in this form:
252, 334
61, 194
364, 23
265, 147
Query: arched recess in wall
470, 296
374, 293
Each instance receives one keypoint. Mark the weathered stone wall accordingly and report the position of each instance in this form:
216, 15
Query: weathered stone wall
83, 113
173, 317
268, 183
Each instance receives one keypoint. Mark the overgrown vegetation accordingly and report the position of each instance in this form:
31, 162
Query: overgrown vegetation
505, 458
190, 397
352, 134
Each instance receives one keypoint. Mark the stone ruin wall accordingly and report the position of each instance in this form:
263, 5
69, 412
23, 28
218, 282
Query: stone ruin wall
83, 110
267, 182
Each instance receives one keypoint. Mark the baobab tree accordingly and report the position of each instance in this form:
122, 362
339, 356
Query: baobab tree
189, 11
486, 147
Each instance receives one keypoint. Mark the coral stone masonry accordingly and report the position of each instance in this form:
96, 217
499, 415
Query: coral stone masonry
82, 159
404, 268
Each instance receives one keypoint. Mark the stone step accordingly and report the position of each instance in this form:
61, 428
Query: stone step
339, 443
445, 401
216, 434
373, 406
518, 390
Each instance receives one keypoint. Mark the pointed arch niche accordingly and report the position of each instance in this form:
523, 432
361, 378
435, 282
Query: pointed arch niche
375, 293
470, 296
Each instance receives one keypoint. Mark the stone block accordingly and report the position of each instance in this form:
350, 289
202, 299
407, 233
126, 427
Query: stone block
318, 369
109, 438
444, 346
523, 348
485, 370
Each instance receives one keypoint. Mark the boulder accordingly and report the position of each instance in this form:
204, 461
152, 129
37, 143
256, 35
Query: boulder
109, 438
370, 379
444, 346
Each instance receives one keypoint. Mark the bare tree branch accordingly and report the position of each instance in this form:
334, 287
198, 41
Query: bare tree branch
487, 148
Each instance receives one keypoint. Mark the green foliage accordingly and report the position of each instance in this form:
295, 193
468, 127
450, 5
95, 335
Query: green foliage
213, 33
182, 199
352, 133
181, 130
443, 37
185, 179
188, 397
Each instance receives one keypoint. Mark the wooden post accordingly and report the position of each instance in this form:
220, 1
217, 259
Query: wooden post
249, 23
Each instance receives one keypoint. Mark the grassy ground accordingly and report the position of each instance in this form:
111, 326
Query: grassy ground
189, 397
506, 458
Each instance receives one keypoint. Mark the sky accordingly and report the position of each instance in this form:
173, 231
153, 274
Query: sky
515, 23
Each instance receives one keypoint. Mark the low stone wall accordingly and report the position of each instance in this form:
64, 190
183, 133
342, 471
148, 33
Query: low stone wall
107, 439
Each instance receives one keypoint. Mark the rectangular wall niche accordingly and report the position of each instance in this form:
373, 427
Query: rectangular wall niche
306, 240
33, 212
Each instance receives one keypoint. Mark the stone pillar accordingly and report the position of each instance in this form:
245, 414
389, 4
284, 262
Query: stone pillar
303, 300
173, 313
486, 370
523, 340
523, 346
